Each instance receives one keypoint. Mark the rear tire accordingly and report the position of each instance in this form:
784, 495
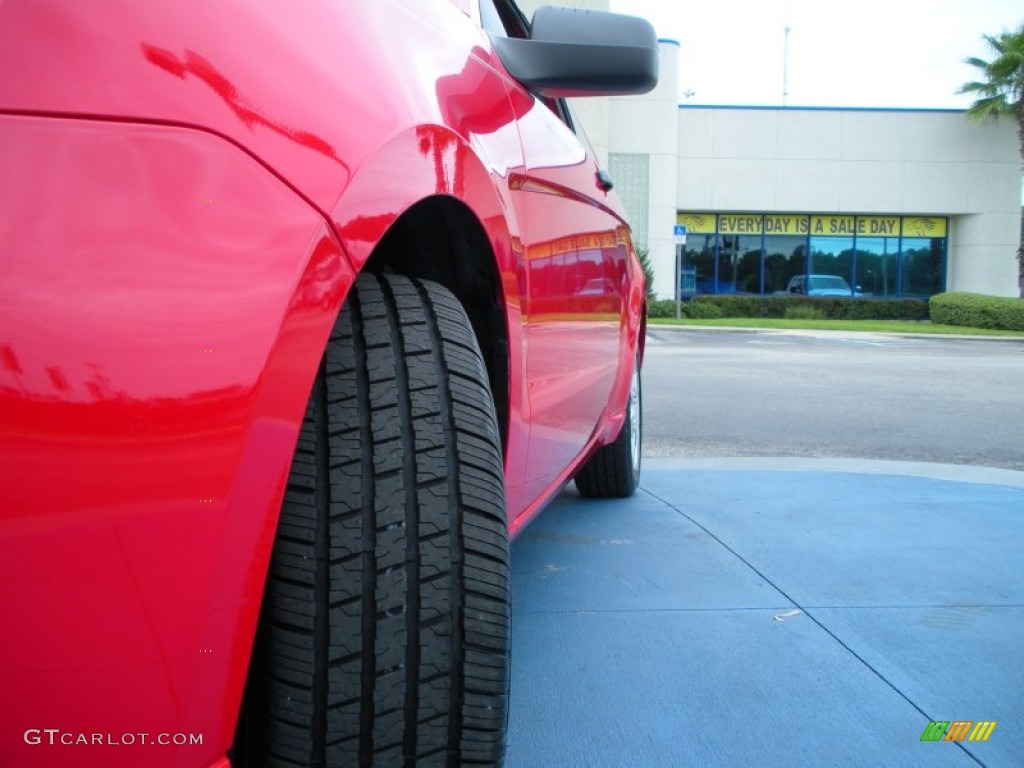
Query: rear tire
613, 472
383, 637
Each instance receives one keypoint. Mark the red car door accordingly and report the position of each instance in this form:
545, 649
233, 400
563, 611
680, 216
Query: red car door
575, 254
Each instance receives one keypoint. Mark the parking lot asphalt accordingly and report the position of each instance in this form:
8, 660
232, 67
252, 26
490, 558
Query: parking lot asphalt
772, 612
830, 394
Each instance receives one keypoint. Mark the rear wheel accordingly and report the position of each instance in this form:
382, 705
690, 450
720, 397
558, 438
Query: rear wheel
614, 471
383, 637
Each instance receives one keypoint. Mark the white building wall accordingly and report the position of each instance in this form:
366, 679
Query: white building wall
864, 161
529, 7
647, 125
744, 159
592, 117
985, 246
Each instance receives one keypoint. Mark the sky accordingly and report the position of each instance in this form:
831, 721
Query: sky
872, 53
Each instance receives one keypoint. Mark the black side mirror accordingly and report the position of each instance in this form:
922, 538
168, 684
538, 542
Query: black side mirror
572, 52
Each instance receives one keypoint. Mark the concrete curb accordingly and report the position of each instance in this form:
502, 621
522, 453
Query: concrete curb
832, 333
953, 472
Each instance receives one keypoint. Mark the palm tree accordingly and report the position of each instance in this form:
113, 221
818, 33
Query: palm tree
1001, 92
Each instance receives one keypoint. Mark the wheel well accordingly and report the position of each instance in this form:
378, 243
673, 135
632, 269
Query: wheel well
440, 239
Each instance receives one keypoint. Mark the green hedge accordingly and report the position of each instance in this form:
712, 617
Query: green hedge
977, 311
696, 309
733, 305
803, 312
661, 308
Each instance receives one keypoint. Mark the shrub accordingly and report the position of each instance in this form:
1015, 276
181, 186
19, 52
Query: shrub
839, 308
803, 312
661, 308
881, 309
701, 310
695, 308
977, 311
733, 305
643, 256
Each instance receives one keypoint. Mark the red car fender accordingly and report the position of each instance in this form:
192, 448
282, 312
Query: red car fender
435, 161
158, 336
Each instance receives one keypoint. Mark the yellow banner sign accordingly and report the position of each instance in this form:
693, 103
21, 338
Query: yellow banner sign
924, 226
698, 223
878, 226
594, 240
786, 224
740, 224
563, 245
832, 225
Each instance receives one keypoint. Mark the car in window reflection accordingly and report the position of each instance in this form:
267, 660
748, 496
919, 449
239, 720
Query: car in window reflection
598, 286
820, 285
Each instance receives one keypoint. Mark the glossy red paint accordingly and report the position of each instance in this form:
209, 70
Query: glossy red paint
159, 329
188, 192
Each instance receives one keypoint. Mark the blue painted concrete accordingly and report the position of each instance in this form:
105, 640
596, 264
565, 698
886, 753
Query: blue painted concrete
747, 618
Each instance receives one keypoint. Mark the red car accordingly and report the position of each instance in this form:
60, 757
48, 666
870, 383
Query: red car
304, 309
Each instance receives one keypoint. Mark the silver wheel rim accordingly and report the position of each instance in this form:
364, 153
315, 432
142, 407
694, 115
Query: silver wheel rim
634, 419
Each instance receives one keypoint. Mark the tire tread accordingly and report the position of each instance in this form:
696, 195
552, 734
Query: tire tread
383, 637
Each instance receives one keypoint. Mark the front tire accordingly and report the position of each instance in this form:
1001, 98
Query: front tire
613, 472
383, 637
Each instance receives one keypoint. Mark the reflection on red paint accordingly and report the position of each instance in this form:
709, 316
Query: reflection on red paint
155, 359
165, 302
198, 65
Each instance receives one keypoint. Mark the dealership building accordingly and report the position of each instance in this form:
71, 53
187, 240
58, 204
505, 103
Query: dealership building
896, 202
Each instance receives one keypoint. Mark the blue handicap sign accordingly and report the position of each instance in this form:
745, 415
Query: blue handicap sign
679, 230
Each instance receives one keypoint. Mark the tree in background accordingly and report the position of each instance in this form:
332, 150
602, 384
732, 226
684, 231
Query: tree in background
1000, 92
645, 262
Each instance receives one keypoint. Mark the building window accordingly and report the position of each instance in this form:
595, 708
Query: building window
878, 266
922, 266
785, 257
698, 255
832, 256
824, 255
739, 264
631, 174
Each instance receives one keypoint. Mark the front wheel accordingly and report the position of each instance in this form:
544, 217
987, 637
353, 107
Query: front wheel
383, 637
614, 471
